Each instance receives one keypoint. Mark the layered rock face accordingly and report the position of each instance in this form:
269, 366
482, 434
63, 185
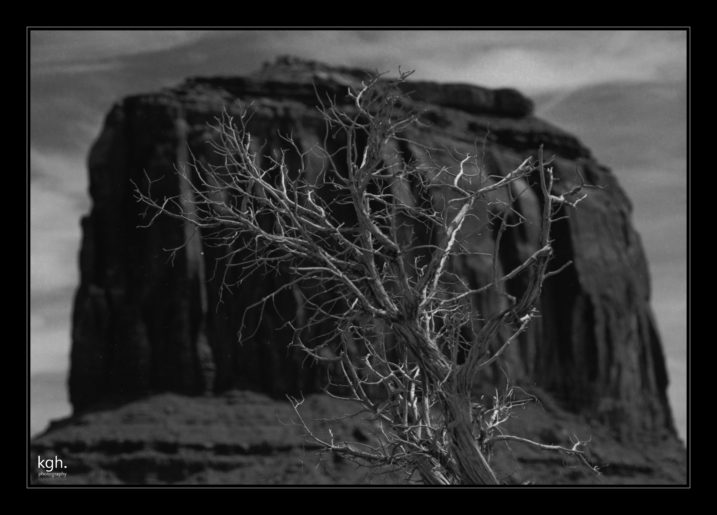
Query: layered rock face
241, 437
146, 320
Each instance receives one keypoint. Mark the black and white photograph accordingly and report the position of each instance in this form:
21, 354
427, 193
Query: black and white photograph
311, 257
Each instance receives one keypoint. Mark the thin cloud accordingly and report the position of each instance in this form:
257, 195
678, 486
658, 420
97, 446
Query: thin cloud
49, 349
58, 171
76, 68
562, 61
53, 241
73, 50
532, 61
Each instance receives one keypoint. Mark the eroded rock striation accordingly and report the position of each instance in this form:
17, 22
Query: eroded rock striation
242, 437
145, 321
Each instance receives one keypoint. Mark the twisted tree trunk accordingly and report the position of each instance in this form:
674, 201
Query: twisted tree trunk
472, 466
469, 463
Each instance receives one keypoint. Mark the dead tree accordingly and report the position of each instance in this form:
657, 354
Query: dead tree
396, 303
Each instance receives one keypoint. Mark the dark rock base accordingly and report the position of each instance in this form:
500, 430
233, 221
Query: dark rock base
246, 438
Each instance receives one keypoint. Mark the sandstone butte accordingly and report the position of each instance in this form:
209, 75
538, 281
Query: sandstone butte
163, 392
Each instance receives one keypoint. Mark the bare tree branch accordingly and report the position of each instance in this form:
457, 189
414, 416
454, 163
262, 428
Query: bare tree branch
395, 304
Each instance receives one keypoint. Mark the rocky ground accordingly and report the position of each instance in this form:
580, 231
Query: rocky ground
246, 438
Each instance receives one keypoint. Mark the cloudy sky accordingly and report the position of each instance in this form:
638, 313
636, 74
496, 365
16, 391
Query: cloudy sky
622, 92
